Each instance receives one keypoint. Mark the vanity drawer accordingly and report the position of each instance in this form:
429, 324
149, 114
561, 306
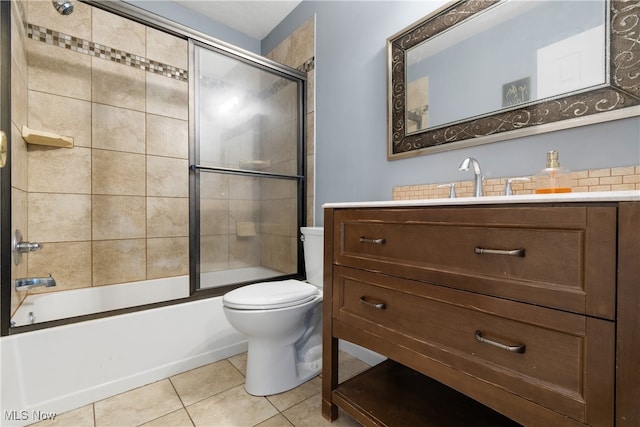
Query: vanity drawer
540, 354
561, 257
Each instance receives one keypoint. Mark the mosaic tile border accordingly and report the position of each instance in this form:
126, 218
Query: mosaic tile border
65, 41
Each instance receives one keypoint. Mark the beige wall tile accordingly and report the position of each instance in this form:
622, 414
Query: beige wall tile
168, 49
59, 170
167, 177
303, 43
59, 71
118, 129
117, 32
214, 217
244, 251
118, 261
118, 85
114, 172
311, 91
244, 188
77, 24
167, 137
69, 263
59, 217
18, 222
62, 115
167, 217
167, 257
282, 52
167, 97
19, 160
214, 186
18, 39
214, 253
279, 253
118, 217
19, 97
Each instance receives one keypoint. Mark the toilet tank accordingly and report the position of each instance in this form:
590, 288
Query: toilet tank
313, 243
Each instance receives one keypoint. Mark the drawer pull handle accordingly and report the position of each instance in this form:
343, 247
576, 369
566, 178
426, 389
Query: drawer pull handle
512, 252
368, 240
378, 305
512, 348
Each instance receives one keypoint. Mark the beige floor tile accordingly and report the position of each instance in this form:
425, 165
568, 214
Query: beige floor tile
206, 381
231, 408
240, 362
277, 421
308, 414
138, 406
81, 417
283, 401
349, 366
179, 418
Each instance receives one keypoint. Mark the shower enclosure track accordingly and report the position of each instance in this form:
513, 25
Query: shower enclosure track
233, 171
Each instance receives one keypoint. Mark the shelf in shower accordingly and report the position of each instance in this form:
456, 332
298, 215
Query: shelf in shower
39, 137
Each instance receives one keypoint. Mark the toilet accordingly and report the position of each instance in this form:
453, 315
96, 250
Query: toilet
283, 324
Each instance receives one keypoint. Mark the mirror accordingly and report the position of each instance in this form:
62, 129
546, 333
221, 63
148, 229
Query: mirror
476, 72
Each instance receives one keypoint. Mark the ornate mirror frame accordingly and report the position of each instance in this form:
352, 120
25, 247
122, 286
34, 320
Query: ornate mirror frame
605, 102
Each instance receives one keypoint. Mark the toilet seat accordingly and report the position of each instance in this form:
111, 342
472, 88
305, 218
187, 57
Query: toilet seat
270, 295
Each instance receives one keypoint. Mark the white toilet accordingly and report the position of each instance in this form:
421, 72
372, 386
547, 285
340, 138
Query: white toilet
283, 324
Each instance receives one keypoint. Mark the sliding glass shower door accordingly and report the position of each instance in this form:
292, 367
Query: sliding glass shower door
247, 183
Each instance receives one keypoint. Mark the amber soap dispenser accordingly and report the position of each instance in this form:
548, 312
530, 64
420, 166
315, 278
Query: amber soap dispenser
553, 178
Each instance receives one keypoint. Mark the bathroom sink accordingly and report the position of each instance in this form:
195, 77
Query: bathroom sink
602, 196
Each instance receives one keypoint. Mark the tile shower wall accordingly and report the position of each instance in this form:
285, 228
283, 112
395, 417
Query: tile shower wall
19, 114
114, 208
298, 51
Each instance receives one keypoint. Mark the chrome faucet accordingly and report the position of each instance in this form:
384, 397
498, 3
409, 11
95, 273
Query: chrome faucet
464, 166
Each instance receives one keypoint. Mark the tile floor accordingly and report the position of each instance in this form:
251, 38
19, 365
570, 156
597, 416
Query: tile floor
212, 395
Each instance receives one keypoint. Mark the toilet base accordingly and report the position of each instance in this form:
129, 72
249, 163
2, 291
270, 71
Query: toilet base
275, 370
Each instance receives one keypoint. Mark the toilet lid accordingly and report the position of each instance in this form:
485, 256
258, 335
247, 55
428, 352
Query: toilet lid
270, 295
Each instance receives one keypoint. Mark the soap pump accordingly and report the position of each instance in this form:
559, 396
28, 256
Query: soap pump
553, 178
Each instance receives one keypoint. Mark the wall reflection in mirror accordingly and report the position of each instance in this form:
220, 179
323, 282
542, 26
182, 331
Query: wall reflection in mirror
471, 72
501, 58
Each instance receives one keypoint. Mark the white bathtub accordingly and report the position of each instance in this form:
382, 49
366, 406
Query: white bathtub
77, 302
57, 369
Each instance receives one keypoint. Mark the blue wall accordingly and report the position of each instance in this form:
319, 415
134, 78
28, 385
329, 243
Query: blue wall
191, 19
351, 113
351, 107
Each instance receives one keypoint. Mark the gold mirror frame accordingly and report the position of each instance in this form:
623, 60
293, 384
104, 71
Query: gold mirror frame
621, 91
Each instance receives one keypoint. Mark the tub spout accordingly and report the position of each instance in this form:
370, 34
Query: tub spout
27, 283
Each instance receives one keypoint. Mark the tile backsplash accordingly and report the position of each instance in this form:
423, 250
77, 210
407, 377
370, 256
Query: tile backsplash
613, 179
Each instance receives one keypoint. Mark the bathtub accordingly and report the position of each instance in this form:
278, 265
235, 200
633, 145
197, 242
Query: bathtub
78, 302
61, 368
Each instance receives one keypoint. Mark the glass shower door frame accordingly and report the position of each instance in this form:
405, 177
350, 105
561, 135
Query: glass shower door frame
196, 169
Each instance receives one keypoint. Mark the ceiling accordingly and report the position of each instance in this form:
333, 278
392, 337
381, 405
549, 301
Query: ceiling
255, 18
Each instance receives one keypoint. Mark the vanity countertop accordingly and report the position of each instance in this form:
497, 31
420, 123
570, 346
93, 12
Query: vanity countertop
603, 196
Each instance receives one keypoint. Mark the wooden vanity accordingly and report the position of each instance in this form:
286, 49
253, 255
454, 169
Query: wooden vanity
491, 312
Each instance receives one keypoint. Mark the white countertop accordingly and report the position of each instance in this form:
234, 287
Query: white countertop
603, 196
